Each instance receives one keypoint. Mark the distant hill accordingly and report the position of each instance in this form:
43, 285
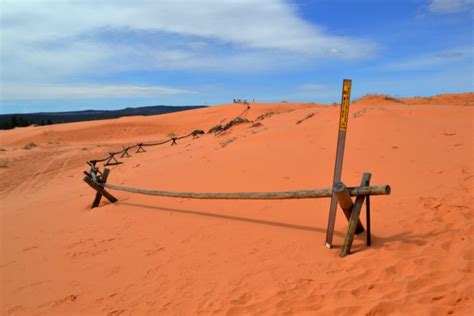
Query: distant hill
9, 121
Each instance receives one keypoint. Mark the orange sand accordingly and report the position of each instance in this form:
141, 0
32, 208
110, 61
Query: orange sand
163, 256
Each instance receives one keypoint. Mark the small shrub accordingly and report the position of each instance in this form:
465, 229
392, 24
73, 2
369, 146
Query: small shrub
264, 116
215, 129
390, 98
236, 121
197, 132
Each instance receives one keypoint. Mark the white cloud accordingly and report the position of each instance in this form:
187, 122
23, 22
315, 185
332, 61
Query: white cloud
84, 91
432, 60
271, 24
450, 6
56, 39
26, 62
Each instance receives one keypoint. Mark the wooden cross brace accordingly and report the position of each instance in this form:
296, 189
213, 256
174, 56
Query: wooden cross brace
125, 152
345, 201
140, 149
110, 162
100, 190
354, 222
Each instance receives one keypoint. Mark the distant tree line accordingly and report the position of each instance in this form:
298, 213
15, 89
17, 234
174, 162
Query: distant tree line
9, 121
19, 121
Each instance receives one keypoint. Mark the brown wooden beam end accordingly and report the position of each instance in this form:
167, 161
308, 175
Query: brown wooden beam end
349, 238
345, 201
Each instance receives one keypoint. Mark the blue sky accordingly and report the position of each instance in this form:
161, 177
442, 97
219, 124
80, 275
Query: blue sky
108, 54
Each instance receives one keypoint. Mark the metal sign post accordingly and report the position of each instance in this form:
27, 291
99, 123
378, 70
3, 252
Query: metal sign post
341, 140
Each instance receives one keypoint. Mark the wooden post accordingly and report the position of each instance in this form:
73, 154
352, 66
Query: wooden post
367, 205
100, 190
93, 165
94, 172
346, 204
140, 148
341, 140
346, 247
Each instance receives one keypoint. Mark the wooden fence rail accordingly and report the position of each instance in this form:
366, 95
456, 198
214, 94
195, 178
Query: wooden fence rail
111, 159
299, 194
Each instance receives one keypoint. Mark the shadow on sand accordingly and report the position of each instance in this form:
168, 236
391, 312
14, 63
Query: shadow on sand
377, 242
231, 217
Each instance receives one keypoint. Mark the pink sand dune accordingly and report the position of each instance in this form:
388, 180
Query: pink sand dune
165, 256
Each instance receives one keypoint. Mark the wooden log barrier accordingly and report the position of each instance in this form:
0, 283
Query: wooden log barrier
349, 238
98, 181
346, 204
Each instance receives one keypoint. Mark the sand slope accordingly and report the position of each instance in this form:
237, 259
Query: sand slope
150, 255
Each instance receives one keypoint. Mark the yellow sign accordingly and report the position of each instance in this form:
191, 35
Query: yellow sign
346, 100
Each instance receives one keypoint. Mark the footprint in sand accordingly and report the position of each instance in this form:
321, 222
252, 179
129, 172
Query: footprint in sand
113, 271
151, 252
430, 202
242, 300
66, 300
30, 248
116, 312
16, 310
